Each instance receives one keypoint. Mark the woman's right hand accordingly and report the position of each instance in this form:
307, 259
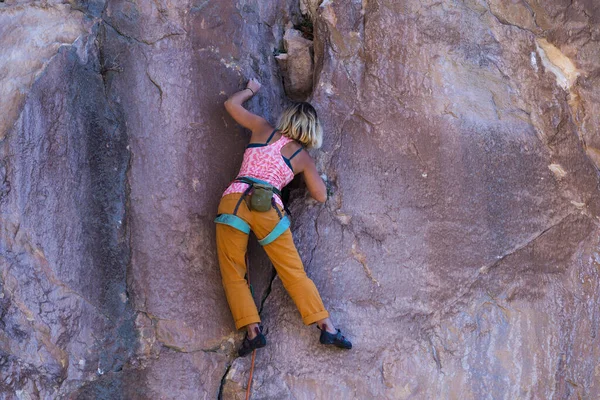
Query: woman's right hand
254, 85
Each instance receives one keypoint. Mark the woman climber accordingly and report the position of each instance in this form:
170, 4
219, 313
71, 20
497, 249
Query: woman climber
253, 202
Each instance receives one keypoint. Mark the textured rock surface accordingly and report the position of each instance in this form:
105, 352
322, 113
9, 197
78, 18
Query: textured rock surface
63, 239
30, 35
297, 65
459, 251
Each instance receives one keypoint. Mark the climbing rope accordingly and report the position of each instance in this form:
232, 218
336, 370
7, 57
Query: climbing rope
249, 385
250, 376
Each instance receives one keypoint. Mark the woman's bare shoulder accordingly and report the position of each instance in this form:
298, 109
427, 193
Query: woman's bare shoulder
303, 159
262, 134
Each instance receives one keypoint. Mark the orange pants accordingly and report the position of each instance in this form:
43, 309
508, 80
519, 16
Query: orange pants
231, 250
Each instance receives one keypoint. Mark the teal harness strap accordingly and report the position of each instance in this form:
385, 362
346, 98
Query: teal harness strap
281, 227
233, 221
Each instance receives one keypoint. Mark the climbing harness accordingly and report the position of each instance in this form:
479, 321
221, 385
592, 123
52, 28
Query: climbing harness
261, 195
236, 222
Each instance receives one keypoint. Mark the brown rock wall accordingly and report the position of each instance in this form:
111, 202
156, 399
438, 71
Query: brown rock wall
459, 251
465, 213
66, 319
30, 34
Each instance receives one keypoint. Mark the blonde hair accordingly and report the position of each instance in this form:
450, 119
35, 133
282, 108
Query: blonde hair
299, 121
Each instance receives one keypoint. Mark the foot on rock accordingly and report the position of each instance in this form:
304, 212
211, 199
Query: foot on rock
336, 339
249, 345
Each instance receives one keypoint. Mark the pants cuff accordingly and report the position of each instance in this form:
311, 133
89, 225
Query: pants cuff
253, 319
311, 319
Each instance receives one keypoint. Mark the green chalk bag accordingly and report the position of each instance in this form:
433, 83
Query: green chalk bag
260, 199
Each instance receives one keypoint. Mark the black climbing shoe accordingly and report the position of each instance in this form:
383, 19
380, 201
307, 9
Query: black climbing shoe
335, 339
249, 345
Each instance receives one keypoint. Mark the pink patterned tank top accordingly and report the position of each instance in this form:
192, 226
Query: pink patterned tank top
265, 162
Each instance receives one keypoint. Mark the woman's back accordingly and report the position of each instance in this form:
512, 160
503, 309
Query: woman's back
264, 161
298, 122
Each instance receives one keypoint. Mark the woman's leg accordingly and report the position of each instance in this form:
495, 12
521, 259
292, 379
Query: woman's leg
284, 256
301, 288
231, 251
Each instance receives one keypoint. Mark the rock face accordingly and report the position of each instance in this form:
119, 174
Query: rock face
297, 65
459, 251
30, 35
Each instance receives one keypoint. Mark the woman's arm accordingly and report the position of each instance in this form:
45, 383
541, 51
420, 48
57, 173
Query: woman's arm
248, 120
314, 183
